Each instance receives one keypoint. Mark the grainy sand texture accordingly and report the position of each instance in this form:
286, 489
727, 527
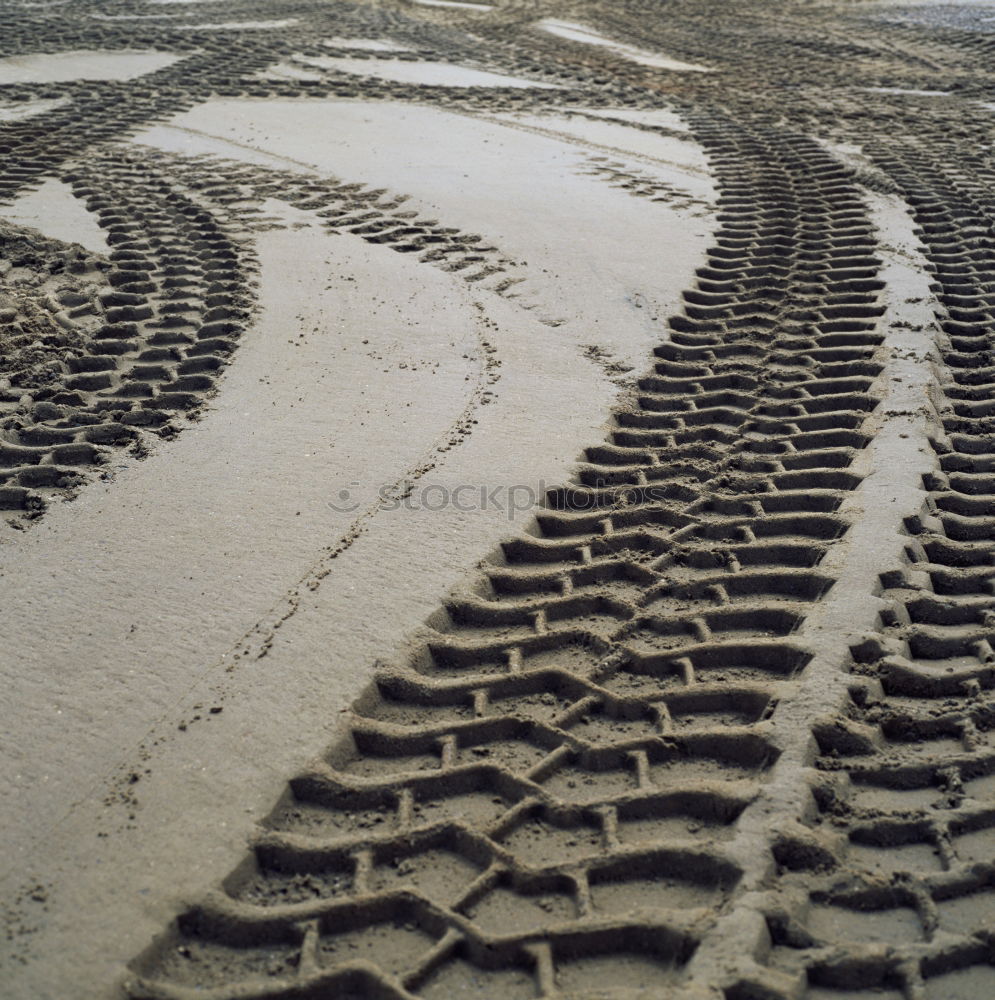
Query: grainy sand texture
497, 500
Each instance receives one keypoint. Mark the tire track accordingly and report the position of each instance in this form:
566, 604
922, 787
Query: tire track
177, 295
175, 300
907, 765
593, 770
578, 736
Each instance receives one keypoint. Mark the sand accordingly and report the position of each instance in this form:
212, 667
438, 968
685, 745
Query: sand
413, 358
286, 22
60, 67
496, 502
426, 72
365, 44
52, 209
479, 7
27, 109
587, 36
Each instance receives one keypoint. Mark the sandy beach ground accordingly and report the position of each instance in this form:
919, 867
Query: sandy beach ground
497, 500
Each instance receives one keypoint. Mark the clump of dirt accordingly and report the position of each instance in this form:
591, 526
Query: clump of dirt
48, 313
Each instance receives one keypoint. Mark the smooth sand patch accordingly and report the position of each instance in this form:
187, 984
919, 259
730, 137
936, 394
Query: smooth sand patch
288, 22
907, 91
97, 15
287, 71
56, 212
588, 36
659, 117
365, 44
18, 111
454, 3
465, 170
82, 64
435, 74
690, 168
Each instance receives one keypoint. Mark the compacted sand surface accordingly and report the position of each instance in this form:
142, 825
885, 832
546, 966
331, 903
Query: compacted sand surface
497, 500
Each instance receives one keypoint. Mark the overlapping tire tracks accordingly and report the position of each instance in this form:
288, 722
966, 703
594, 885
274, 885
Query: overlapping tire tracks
537, 798
545, 795
908, 763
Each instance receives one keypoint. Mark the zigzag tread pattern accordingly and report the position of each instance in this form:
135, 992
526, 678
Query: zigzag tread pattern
538, 797
908, 766
545, 797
